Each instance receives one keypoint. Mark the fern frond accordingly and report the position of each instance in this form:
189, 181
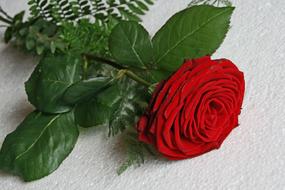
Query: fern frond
86, 37
69, 10
136, 151
211, 2
130, 104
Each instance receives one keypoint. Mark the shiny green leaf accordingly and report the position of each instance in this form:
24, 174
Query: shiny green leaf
194, 32
97, 110
130, 44
39, 145
49, 81
117, 107
85, 89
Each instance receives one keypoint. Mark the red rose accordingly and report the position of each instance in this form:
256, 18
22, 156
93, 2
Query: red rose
195, 109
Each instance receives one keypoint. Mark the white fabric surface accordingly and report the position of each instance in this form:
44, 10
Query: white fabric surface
252, 157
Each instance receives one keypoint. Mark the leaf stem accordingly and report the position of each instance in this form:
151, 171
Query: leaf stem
121, 69
104, 60
135, 77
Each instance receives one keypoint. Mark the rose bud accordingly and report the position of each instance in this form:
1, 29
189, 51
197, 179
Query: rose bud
195, 109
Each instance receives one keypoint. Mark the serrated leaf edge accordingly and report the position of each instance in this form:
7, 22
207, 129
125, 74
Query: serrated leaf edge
193, 32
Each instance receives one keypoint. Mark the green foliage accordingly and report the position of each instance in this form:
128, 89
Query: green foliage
211, 2
176, 41
60, 26
92, 112
97, 110
136, 151
41, 37
86, 37
85, 89
130, 45
93, 69
117, 106
36, 36
49, 81
77, 72
131, 102
39, 145
69, 10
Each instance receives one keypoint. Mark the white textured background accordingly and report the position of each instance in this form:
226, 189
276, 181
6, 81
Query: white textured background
252, 157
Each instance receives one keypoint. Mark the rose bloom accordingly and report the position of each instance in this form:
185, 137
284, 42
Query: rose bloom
195, 109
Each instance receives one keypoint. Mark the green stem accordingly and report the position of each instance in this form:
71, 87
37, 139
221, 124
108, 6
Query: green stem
135, 77
104, 60
124, 70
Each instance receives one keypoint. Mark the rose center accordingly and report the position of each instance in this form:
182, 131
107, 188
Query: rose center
213, 120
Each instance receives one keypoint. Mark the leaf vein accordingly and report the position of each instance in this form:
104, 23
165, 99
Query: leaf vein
37, 139
193, 32
133, 48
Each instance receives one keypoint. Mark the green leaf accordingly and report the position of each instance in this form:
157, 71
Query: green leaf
18, 18
194, 32
49, 81
85, 89
97, 110
39, 145
8, 35
118, 107
91, 113
130, 44
40, 49
30, 44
